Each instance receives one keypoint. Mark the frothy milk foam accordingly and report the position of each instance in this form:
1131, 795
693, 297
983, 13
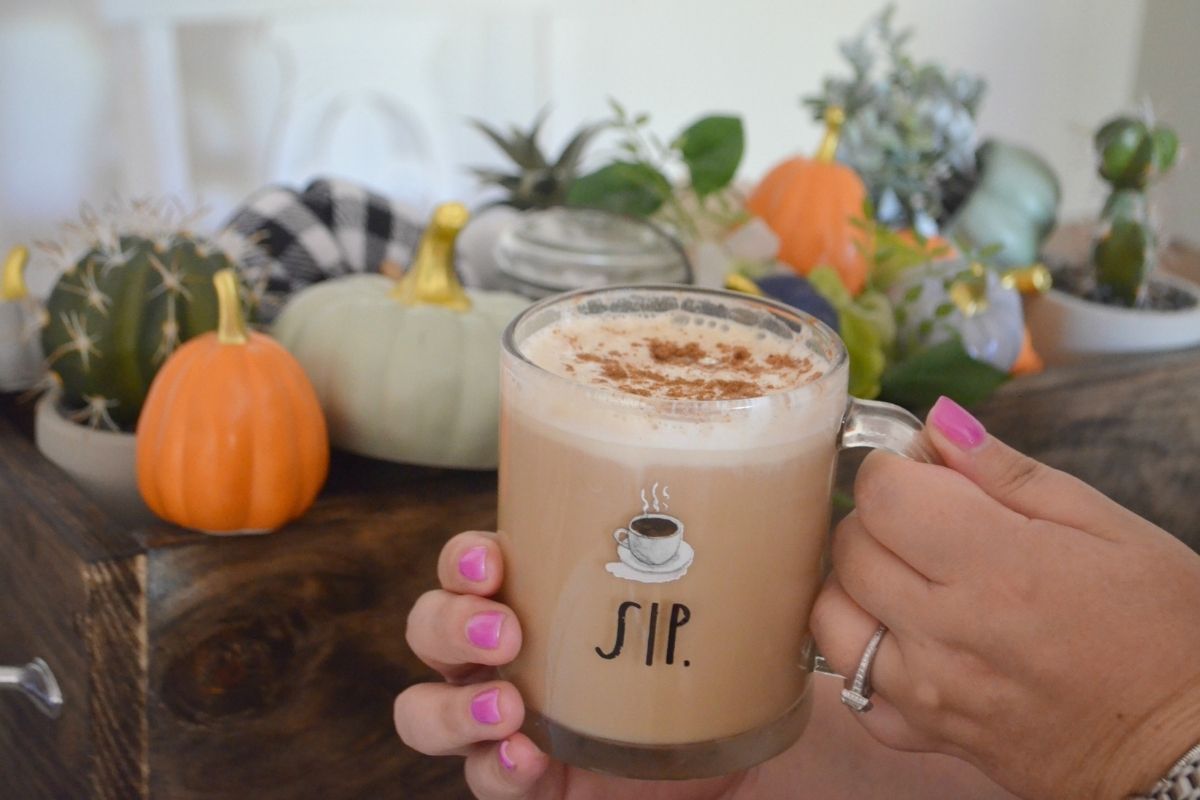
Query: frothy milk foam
718, 437
592, 349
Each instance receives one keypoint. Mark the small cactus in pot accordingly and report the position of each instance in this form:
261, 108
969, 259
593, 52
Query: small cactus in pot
1132, 153
142, 287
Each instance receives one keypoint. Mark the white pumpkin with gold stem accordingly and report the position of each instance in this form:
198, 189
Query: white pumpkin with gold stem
20, 327
406, 370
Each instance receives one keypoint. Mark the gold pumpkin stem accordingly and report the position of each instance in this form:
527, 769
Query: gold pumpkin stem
431, 281
736, 282
835, 116
231, 326
1033, 279
12, 282
969, 294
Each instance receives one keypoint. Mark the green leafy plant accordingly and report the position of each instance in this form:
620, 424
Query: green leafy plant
910, 127
1132, 153
639, 180
881, 365
942, 369
536, 181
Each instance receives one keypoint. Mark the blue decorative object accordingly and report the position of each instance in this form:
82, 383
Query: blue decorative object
798, 293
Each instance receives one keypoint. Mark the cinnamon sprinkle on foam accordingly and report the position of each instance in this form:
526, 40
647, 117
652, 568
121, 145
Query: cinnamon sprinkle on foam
683, 369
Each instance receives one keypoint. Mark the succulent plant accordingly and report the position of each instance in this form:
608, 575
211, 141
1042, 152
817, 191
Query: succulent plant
1132, 153
142, 287
910, 127
645, 176
537, 181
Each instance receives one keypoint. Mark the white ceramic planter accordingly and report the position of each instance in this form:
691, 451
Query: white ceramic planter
1067, 330
103, 463
20, 346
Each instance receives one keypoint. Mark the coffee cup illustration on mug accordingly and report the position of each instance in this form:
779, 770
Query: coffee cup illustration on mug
652, 538
651, 549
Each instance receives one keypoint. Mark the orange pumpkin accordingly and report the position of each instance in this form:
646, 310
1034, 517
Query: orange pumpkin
1028, 362
231, 438
810, 204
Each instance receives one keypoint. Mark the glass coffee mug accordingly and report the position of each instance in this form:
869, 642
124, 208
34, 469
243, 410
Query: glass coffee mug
663, 554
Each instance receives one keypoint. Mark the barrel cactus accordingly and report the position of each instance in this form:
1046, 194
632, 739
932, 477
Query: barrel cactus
121, 309
1132, 153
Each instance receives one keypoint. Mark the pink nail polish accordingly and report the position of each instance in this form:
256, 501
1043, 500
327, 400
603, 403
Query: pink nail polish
505, 760
485, 707
483, 630
956, 424
473, 564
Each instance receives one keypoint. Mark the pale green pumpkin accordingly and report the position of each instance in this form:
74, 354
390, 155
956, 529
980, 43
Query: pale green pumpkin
20, 326
1014, 204
406, 371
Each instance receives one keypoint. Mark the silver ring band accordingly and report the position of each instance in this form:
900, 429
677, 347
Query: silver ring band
858, 696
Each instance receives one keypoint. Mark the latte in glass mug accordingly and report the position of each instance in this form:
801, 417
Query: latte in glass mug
667, 458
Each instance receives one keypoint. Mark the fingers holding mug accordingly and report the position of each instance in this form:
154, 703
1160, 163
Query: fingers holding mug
440, 719
456, 634
843, 631
471, 563
879, 581
505, 770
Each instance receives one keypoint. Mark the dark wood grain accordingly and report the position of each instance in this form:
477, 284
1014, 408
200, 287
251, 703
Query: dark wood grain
276, 658
208, 667
115, 635
1129, 426
43, 608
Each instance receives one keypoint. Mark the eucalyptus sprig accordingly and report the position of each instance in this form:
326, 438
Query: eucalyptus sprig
910, 126
640, 179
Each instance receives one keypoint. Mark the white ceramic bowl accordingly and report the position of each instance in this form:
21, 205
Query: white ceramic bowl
1067, 329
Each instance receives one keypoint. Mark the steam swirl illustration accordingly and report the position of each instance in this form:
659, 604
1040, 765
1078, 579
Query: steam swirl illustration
655, 503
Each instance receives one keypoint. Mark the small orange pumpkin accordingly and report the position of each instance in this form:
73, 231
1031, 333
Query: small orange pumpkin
1029, 361
810, 204
231, 438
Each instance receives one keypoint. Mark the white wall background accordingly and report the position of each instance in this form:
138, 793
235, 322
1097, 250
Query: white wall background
217, 97
1169, 74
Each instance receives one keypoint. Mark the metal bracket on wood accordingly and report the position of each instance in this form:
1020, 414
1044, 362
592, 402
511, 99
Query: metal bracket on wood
37, 682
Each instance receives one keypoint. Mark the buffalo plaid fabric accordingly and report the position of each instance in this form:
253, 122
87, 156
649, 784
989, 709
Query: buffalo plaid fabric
331, 228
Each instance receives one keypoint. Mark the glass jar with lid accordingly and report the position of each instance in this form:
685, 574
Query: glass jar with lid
560, 249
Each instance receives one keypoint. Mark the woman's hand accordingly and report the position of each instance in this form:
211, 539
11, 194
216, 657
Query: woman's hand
1035, 628
462, 634
456, 631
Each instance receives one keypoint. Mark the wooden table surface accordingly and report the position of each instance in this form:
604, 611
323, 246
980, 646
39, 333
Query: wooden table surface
272, 660
320, 640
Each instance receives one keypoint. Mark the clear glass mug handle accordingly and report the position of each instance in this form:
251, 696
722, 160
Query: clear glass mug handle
880, 426
883, 426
